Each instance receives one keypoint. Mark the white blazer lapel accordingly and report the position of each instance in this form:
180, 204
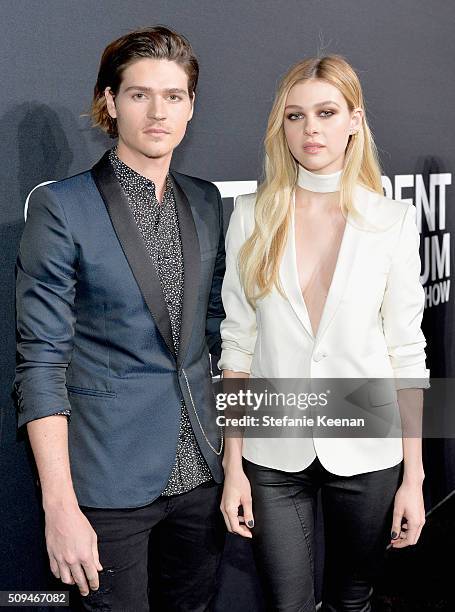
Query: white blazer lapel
340, 279
346, 260
290, 280
345, 263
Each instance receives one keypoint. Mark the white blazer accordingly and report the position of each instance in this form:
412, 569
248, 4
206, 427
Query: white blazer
370, 327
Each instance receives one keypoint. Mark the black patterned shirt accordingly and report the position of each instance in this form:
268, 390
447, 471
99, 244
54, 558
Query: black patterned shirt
159, 227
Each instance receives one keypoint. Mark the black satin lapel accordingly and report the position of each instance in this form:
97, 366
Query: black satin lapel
192, 266
133, 246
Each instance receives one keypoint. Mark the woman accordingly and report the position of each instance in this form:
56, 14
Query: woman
322, 281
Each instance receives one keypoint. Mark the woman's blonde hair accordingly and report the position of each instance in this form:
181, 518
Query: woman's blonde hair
260, 256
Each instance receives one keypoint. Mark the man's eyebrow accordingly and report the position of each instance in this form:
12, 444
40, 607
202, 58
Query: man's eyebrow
325, 103
170, 90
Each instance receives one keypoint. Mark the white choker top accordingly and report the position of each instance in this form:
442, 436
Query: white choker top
321, 183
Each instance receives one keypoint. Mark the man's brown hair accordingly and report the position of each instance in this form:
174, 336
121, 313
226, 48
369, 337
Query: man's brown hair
156, 42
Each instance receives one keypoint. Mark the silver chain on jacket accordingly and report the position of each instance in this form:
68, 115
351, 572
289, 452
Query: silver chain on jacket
217, 452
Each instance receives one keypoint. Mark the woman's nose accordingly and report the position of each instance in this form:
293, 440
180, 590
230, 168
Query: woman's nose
310, 127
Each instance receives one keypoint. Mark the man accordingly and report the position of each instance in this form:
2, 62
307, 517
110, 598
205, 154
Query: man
118, 304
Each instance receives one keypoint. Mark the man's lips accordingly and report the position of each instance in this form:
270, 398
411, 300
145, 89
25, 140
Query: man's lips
156, 131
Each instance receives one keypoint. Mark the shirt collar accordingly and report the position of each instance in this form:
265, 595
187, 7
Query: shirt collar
124, 171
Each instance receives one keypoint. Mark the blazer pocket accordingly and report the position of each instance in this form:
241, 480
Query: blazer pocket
90, 392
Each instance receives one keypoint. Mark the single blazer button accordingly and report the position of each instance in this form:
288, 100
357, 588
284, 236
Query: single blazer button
319, 356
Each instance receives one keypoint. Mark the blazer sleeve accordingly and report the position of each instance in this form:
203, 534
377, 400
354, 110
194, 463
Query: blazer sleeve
238, 330
402, 309
45, 291
215, 310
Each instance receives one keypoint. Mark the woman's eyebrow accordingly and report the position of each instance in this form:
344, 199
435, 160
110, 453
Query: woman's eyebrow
325, 103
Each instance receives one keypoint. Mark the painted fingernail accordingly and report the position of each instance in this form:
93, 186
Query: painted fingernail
394, 535
250, 523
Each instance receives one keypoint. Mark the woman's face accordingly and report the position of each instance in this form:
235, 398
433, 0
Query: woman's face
317, 125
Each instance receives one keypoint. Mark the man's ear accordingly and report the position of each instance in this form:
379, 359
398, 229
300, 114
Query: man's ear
192, 107
110, 102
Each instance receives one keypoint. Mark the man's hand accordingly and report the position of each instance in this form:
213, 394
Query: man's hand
72, 547
70, 539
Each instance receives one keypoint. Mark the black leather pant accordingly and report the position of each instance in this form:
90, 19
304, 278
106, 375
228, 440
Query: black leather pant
357, 514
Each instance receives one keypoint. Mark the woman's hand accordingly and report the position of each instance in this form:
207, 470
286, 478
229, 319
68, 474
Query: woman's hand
410, 509
236, 493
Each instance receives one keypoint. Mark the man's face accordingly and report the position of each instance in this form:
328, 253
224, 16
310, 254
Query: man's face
152, 108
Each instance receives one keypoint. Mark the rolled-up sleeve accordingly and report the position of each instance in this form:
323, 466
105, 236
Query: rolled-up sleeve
45, 292
402, 309
238, 330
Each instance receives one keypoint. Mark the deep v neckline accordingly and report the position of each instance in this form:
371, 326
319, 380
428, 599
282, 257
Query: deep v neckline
334, 276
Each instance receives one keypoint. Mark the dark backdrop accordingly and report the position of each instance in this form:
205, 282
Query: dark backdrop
49, 54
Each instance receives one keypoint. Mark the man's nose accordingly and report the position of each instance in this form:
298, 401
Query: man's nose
156, 108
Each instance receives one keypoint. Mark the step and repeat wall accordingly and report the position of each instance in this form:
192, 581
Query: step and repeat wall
49, 55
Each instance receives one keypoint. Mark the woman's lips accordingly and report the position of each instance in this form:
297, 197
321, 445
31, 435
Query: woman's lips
313, 148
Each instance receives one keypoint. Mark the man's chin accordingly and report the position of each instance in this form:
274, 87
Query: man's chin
156, 152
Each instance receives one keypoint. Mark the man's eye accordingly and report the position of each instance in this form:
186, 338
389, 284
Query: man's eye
139, 96
174, 97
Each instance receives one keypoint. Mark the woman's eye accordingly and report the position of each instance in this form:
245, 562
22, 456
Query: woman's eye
294, 116
326, 113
